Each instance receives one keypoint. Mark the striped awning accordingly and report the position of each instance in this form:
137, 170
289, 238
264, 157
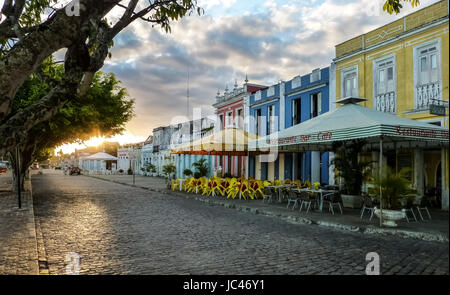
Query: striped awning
350, 122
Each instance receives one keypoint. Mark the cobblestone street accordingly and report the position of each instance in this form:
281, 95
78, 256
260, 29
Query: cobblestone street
119, 229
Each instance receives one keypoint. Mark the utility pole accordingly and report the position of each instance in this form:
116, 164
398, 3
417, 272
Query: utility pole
187, 93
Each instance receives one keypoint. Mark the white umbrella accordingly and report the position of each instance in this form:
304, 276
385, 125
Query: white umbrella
101, 156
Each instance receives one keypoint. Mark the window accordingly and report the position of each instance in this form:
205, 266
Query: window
350, 83
427, 74
384, 85
239, 119
221, 121
229, 119
316, 104
428, 65
271, 124
258, 121
296, 111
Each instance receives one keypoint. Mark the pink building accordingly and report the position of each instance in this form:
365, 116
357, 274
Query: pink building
230, 112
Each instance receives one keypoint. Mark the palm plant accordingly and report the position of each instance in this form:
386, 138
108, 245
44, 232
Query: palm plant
202, 168
346, 161
394, 187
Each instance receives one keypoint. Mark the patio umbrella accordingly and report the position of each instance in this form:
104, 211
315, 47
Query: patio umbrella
229, 142
101, 157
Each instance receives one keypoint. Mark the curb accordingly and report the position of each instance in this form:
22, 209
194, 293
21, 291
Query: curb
301, 220
31, 208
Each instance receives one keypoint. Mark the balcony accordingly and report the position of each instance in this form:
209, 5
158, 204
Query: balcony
386, 102
427, 94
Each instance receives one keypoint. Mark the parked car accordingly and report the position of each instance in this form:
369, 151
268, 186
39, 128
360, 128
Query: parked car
3, 169
75, 171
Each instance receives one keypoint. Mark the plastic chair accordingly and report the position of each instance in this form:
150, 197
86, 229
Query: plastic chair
367, 205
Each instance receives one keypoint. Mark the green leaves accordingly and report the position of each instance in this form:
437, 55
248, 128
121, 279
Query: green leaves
392, 6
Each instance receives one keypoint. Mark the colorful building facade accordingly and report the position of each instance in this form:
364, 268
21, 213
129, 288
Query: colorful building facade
230, 113
402, 68
284, 105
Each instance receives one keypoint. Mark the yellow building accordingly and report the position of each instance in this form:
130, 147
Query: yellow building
403, 68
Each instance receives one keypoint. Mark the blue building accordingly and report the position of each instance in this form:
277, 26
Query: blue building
284, 105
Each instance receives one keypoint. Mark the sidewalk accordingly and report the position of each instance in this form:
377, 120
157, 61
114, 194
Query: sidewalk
18, 248
429, 230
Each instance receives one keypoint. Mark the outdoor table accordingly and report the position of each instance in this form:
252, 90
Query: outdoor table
320, 191
279, 187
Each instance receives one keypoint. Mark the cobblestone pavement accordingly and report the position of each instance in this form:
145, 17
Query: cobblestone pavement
18, 253
119, 229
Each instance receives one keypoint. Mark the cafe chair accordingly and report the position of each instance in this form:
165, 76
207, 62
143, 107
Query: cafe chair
422, 207
292, 197
333, 199
307, 199
367, 206
409, 209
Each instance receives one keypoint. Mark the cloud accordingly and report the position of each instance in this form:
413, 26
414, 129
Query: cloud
267, 41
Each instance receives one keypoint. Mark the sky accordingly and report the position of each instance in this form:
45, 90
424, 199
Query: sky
266, 40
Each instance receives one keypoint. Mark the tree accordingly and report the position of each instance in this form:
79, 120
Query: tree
102, 111
84, 30
395, 6
349, 166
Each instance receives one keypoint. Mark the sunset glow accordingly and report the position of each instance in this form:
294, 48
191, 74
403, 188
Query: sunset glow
96, 141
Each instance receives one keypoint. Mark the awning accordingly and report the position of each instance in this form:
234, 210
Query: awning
229, 141
349, 122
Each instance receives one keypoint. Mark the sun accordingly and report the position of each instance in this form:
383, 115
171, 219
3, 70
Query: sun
98, 140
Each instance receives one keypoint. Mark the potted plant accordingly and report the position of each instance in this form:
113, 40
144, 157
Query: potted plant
187, 173
353, 171
201, 167
120, 171
149, 168
395, 192
168, 171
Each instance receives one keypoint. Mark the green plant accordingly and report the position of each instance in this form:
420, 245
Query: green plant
227, 175
353, 171
169, 169
130, 171
201, 167
120, 170
197, 175
394, 187
187, 172
150, 168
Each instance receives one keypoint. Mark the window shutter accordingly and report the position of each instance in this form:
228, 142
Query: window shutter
319, 103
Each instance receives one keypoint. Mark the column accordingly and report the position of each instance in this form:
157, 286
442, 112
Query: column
419, 171
331, 172
445, 178
281, 166
295, 175
315, 167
